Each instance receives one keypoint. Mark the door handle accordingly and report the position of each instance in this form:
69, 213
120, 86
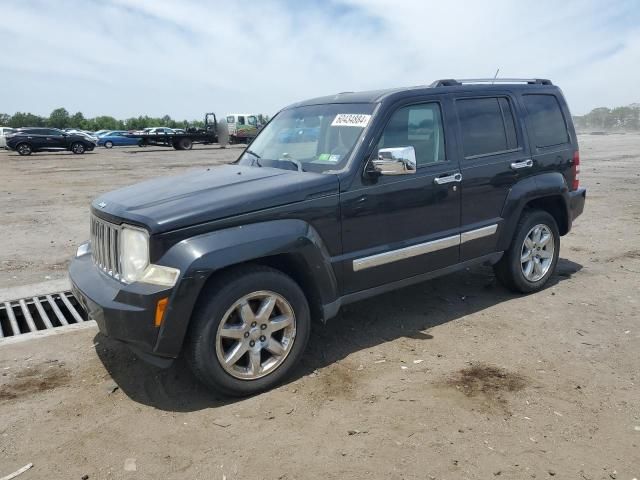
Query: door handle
524, 164
455, 178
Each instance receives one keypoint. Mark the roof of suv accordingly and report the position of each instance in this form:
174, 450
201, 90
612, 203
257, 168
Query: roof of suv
439, 86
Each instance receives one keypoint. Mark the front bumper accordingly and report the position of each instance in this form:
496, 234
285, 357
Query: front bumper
124, 312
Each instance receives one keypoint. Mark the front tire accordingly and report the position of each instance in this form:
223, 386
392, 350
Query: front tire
531, 259
108, 144
77, 148
249, 331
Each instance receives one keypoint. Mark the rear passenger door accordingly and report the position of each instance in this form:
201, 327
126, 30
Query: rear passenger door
493, 156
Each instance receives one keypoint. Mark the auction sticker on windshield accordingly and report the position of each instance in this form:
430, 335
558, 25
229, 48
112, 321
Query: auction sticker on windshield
351, 120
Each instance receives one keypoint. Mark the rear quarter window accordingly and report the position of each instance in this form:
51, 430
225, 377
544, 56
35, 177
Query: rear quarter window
545, 120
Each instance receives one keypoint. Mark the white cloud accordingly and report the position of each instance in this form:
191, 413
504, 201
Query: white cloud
131, 57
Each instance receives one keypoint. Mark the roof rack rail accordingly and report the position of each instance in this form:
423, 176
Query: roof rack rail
449, 82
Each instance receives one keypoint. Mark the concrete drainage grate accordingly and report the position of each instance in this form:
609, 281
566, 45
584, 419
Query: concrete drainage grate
39, 313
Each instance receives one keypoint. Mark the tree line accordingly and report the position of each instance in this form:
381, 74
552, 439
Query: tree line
60, 118
603, 118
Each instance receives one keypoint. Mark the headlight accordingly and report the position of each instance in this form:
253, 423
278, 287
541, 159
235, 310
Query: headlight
134, 260
134, 254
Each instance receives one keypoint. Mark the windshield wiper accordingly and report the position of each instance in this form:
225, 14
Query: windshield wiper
294, 162
257, 157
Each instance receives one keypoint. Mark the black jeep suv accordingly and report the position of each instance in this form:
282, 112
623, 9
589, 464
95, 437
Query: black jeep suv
28, 140
337, 199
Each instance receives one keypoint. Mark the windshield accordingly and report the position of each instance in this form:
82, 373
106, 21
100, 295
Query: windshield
312, 138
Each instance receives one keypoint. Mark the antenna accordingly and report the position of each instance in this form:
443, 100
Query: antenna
496, 75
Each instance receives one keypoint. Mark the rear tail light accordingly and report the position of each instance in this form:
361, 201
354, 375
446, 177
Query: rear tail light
575, 169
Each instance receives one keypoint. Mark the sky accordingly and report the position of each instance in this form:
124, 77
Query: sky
184, 58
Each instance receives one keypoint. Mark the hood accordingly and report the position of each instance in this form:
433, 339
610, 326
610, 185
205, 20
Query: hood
200, 196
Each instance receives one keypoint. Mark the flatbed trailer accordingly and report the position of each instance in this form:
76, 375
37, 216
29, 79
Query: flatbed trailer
179, 141
213, 132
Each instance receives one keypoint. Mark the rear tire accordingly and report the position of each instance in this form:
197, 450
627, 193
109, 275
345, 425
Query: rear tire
531, 259
185, 143
24, 149
252, 353
77, 148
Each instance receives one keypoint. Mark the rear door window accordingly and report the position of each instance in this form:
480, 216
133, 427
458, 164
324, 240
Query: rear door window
487, 126
546, 121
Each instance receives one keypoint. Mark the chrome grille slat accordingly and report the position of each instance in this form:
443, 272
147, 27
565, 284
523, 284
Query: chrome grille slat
112, 259
105, 239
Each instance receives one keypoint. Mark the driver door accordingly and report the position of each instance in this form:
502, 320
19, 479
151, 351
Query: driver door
55, 139
400, 225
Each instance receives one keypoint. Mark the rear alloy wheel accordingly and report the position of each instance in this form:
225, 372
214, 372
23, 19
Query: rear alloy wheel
108, 144
249, 331
531, 259
537, 253
77, 148
24, 149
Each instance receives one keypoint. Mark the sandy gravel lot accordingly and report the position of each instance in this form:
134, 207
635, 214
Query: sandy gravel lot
455, 378
44, 200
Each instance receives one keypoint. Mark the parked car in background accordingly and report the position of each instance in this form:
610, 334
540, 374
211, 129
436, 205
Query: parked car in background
4, 131
160, 131
91, 136
28, 140
99, 133
117, 138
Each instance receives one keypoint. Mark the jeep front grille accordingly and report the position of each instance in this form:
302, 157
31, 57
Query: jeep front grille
105, 246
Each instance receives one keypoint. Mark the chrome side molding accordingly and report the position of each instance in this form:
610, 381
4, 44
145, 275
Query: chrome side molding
422, 248
478, 233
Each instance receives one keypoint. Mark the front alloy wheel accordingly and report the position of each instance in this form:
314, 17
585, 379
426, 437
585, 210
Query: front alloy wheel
77, 148
256, 335
249, 330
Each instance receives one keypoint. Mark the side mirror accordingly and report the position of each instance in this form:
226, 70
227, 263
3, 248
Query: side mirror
394, 161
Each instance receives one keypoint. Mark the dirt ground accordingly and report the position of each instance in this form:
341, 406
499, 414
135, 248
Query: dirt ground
48, 196
454, 378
